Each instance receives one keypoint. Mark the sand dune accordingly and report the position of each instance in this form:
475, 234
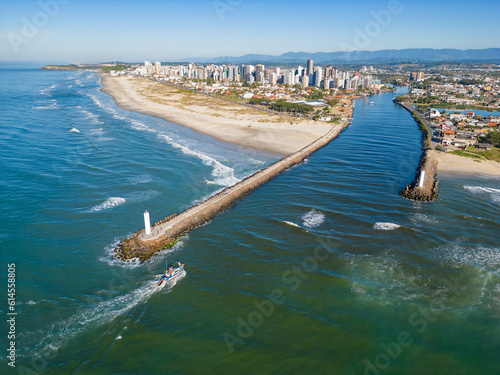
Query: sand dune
223, 120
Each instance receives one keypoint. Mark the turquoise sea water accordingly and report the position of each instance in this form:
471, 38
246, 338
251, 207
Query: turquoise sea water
325, 269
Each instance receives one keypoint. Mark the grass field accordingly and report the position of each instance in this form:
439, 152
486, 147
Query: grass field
475, 153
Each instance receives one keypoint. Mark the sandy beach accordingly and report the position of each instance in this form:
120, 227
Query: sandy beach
223, 120
450, 163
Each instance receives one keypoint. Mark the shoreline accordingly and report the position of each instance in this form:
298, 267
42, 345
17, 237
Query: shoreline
224, 121
452, 164
165, 233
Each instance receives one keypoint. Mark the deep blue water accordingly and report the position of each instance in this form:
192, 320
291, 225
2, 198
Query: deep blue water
366, 281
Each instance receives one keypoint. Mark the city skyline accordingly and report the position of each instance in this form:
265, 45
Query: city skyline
74, 31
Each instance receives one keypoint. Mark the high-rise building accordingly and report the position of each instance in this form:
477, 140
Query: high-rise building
310, 67
248, 72
273, 78
417, 76
305, 81
318, 76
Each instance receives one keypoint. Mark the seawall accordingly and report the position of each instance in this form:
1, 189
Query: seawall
428, 189
165, 232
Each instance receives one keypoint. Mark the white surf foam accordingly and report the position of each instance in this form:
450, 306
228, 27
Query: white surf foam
142, 179
96, 101
223, 174
141, 196
45, 91
153, 263
424, 218
108, 203
313, 219
52, 105
94, 119
480, 256
495, 193
385, 226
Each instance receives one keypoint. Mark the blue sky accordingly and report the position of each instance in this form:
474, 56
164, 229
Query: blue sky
73, 31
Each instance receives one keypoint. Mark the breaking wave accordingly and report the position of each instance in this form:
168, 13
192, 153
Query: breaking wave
385, 226
108, 203
52, 105
223, 174
495, 193
292, 224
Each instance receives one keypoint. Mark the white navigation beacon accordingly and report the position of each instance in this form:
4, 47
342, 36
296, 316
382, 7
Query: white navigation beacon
422, 178
147, 223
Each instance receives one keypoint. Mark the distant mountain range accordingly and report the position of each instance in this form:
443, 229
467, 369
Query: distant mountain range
382, 56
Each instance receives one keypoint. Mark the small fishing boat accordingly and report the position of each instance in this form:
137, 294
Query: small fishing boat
172, 273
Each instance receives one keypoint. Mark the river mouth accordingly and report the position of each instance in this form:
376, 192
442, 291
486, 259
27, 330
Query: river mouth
320, 269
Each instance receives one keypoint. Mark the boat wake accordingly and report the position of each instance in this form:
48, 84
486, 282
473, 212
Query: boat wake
116, 310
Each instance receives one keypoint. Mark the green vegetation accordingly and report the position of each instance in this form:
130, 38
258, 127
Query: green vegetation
283, 106
475, 153
107, 69
60, 67
426, 135
257, 101
332, 102
493, 137
169, 245
467, 154
316, 94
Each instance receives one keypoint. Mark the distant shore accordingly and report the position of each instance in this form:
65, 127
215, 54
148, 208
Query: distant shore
222, 120
456, 164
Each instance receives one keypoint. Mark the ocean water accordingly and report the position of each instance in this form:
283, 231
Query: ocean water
325, 269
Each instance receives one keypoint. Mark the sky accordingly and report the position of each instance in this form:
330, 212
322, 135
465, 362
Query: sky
90, 31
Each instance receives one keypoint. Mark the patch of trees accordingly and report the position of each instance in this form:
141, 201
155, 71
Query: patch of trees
493, 137
284, 106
